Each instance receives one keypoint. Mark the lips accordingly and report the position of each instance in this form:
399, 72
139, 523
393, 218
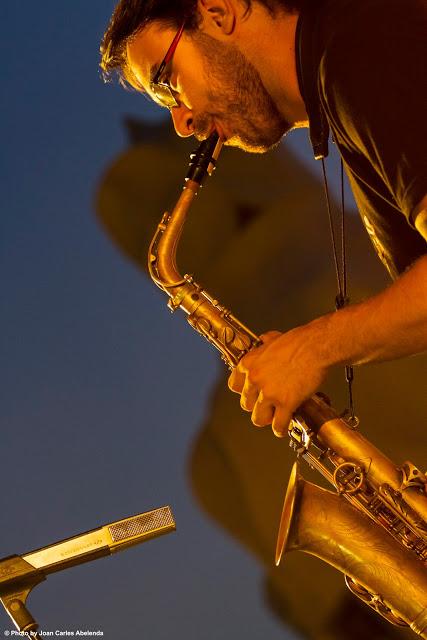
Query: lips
202, 132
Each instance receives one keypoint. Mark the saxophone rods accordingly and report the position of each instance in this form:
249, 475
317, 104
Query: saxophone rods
375, 532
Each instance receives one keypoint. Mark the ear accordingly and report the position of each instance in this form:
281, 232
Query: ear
218, 17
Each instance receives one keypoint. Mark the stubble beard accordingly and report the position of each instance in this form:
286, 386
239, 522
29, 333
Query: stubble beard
237, 99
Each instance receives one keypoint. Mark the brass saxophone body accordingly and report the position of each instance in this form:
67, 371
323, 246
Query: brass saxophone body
205, 314
374, 527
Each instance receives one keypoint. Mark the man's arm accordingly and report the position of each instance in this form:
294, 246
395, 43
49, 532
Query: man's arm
278, 376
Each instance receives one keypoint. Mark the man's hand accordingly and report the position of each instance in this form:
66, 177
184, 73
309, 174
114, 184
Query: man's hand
276, 377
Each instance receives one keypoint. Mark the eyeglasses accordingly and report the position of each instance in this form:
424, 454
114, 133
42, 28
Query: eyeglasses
162, 89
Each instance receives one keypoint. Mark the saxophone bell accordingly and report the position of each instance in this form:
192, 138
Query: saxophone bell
324, 524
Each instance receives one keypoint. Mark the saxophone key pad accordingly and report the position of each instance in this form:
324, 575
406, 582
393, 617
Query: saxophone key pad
412, 477
348, 478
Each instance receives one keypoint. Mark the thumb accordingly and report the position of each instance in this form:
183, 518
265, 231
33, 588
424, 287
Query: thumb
270, 336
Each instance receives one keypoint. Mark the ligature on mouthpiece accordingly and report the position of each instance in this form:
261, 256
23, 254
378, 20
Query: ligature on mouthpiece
203, 160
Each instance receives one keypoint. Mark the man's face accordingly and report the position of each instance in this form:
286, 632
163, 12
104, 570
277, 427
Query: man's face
215, 85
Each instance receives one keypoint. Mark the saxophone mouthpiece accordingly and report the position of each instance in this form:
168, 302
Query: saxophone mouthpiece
203, 160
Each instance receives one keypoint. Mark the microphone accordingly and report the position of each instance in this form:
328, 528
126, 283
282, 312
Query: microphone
19, 574
101, 542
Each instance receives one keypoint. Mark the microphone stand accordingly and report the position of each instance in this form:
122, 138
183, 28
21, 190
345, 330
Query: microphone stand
13, 595
19, 574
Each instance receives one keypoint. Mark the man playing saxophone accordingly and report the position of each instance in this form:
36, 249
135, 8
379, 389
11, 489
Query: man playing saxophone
253, 70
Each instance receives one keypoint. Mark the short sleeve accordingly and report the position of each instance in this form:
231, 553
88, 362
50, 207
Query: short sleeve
374, 82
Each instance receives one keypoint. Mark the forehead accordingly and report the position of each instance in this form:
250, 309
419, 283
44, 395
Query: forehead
146, 50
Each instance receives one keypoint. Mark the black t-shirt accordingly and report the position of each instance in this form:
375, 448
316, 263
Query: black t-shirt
367, 59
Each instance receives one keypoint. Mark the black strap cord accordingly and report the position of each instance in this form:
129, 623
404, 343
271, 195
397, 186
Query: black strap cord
341, 299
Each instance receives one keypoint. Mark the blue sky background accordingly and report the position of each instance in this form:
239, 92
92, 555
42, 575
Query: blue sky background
87, 436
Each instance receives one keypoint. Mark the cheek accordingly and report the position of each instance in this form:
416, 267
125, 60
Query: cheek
194, 91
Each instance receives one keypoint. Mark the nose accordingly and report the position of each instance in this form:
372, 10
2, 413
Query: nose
182, 118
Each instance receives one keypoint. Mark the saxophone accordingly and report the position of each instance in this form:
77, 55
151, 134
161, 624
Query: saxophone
373, 528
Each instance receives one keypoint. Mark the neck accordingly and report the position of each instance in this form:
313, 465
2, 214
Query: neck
274, 57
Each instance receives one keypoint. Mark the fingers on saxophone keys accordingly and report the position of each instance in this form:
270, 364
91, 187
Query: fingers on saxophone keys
269, 336
263, 412
236, 381
249, 396
280, 422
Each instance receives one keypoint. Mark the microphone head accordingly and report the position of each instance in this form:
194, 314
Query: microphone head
136, 529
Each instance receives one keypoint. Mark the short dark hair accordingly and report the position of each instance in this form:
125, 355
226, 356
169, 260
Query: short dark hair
131, 16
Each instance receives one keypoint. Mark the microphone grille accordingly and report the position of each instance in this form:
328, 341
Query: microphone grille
145, 523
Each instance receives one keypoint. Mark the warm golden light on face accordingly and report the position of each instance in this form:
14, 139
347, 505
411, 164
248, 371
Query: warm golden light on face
146, 51
215, 87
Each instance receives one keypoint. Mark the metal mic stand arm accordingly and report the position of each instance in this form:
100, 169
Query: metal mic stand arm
17, 579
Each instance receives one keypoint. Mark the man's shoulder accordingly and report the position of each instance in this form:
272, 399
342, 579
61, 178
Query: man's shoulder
354, 25
367, 43
344, 12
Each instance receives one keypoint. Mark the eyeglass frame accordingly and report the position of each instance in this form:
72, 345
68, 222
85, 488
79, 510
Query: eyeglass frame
163, 90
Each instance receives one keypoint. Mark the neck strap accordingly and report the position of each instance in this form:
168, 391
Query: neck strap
307, 64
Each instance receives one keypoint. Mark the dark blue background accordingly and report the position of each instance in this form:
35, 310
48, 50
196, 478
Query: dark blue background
87, 434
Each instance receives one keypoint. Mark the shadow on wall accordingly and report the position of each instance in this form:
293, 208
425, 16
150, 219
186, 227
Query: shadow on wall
258, 239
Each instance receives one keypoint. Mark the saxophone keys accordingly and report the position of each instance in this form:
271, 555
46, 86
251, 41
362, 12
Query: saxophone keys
348, 478
411, 476
375, 601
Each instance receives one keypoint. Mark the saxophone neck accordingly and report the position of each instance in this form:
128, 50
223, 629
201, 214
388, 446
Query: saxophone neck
163, 249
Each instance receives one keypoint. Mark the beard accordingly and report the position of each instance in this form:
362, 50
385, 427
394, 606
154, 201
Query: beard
237, 99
